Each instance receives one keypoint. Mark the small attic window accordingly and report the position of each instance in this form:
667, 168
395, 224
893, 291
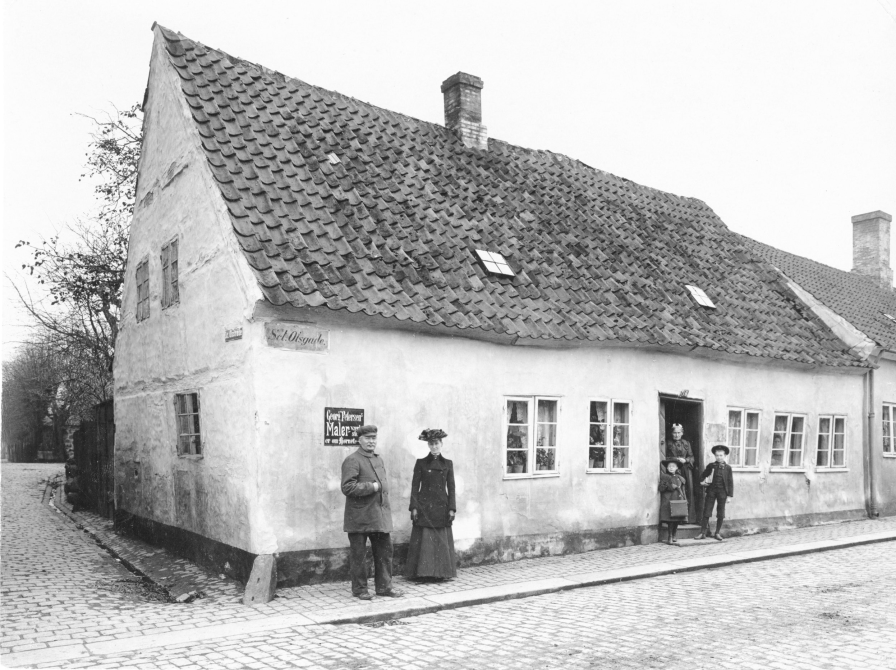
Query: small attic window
494, 263
889, 316
701, 297
333, 158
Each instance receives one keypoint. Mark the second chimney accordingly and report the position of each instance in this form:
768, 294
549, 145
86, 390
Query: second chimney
871, 247
463, 109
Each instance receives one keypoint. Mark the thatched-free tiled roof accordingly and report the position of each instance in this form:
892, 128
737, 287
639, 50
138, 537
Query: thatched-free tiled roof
339, 203
857, 298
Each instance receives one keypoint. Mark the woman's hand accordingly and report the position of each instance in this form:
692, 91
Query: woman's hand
451, 514
413, 515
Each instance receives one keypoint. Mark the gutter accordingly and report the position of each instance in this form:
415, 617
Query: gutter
873, 511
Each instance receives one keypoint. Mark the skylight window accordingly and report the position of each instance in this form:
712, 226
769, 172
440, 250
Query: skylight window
701, 297
889, 316
494, 263
333, 158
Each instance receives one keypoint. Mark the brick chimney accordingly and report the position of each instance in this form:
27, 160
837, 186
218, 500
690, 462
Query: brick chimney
871, 247
463, 109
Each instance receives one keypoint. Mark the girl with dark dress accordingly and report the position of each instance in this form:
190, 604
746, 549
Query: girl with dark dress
672, 486
431, 551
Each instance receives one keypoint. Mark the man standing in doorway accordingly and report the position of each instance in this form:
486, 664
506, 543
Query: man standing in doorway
368, 515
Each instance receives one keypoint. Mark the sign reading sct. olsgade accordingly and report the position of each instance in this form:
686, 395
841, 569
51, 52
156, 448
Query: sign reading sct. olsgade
341, 426
297, 336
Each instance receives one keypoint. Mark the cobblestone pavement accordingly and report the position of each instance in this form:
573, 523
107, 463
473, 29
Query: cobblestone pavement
51, 569
831, 610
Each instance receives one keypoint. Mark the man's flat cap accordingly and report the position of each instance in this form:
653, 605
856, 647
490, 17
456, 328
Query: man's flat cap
367, 430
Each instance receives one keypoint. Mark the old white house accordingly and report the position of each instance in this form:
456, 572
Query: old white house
301, 262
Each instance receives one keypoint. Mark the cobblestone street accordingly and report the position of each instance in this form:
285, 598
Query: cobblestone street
832, 609
827, 610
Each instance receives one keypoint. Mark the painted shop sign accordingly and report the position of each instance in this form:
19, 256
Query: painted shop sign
341, 425
231, 334
297, 336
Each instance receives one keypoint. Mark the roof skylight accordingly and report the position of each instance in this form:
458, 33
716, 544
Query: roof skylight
701, 297
494, 263
889, 316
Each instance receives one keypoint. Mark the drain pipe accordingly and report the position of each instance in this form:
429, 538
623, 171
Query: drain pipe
873, 511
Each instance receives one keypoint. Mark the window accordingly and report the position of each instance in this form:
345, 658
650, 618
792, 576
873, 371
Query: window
889, 413
186, 409
494, 263
170, 294
609, 420
143, 291
531, 442
700, 296
743, 437
831, 452
787, 441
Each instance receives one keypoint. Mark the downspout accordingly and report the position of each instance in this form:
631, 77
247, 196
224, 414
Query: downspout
873, 511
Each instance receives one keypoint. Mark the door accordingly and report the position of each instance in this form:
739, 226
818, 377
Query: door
689, 413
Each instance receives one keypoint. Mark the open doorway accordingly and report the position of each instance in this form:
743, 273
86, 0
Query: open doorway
687, 412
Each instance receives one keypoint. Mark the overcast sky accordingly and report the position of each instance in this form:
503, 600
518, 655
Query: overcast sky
779, 115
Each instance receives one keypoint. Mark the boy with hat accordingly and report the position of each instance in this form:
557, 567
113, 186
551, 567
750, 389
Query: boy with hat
719, 489
368, 515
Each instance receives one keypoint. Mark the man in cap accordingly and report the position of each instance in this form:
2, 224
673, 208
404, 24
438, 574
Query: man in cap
368, 515
719, 489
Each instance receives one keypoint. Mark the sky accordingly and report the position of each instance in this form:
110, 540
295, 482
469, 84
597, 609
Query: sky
780, 115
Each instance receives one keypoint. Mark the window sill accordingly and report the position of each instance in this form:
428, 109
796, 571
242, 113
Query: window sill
596, 471
886, 455
820, 470
191, 457
779, 468
736, 468
532, 475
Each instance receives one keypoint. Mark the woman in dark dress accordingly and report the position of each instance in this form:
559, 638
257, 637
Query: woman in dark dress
431, 552
671, 488
679, 449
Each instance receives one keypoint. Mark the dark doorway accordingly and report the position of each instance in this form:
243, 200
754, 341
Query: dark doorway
689, 413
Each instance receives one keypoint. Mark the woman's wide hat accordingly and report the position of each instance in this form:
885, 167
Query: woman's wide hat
666, 462
430, 434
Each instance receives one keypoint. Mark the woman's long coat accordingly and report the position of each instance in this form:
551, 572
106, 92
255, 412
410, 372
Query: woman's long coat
432, 491
669, 485
682, 449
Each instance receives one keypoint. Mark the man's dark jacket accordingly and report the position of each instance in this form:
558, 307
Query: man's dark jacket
366, 510
727, 477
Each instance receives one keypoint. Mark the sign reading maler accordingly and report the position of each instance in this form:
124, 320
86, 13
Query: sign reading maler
341, 426
298, 336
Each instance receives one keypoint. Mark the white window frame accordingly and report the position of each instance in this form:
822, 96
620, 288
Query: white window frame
742, 447
610, 430
531, 447
178, 435
829, 466
785, 465
888, 418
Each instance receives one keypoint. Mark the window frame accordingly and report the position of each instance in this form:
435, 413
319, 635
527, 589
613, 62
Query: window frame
891, 453
142, 309
178, 435
785, 467
170, 284
830, 467
610, 429
532, 428
744, 411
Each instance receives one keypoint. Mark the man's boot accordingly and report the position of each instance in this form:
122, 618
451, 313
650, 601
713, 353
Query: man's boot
703, 530
718, 528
